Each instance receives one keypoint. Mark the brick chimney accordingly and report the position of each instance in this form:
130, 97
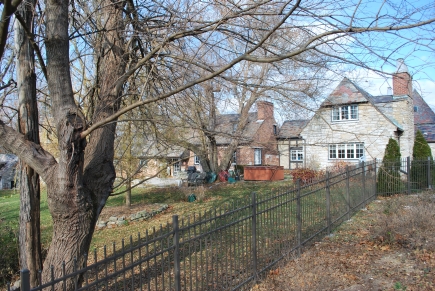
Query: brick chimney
402, 81
264, 110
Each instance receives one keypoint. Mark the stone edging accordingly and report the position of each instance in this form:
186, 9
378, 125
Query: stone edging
139, 216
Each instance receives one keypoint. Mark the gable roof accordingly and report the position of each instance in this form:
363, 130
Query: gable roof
225, 128
292, 128
346, 93
428, 131
424, 113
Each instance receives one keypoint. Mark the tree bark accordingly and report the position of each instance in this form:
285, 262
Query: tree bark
83, 180
29, 236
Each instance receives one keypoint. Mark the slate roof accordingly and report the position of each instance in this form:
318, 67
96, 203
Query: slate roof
225, 127
424, 113
292, 128
424, 117
346, 93
153, 149
428, 131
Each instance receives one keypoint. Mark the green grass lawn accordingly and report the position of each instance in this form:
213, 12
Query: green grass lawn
209, 197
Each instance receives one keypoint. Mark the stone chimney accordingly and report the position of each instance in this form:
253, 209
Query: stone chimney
264, 110
402, 82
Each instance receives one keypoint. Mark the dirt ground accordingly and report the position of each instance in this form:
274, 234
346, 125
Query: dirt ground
388, 246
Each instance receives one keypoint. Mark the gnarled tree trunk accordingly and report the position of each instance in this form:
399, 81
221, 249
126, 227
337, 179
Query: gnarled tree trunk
82, 181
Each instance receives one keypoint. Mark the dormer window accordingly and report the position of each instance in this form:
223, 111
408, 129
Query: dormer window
275, 129
343, 113
415, 108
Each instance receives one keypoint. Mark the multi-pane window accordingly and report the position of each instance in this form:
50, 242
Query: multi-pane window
257, 156
347, 112
176, 166
346, 151
234, 158
297, 155
196, 160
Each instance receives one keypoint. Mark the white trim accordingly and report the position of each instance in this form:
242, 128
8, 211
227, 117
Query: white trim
258, 156
297, 155
346, 151
344, 113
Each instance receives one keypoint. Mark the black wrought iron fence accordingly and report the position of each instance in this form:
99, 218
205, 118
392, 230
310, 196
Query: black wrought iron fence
405, 176
225, 249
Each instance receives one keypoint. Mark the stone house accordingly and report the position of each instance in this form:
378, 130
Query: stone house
352, 125
8, 164
257, 144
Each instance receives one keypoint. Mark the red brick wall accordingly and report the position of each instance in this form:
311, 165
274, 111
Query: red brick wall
264, 110
402, 84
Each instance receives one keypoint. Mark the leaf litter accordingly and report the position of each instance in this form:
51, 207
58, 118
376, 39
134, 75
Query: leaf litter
388, 246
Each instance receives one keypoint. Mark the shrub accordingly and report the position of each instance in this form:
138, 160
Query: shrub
389, 181
9, 264
419, 167
306, 175
240, 169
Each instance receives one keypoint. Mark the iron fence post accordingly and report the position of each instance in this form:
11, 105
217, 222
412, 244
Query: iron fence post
298, 216
363, 164
347, 192
376, 178
429, 185
408, 174
254, 235
25, 280
328, 204
177, 277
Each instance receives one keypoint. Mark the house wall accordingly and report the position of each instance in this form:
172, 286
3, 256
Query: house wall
432, 148
371, 128
284, 147
191, 162
403, 112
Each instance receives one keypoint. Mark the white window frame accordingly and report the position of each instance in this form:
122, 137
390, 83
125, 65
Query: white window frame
196, 160
257, 156
344, 113
297, 155
176, 167
346, 151
234, 158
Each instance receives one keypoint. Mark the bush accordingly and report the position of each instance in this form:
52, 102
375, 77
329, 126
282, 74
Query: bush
419, 167
9, 264
240, 169
389, 181
306, 175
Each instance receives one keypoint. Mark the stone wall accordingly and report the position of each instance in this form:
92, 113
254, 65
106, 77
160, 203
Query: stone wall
371, 128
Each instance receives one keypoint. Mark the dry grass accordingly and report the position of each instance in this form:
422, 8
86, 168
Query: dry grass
389, 246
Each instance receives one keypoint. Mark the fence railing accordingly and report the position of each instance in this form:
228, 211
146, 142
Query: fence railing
405, 176
226, 249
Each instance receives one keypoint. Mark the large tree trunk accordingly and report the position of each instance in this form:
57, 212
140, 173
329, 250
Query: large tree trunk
83, 180
69, 202
30, 236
